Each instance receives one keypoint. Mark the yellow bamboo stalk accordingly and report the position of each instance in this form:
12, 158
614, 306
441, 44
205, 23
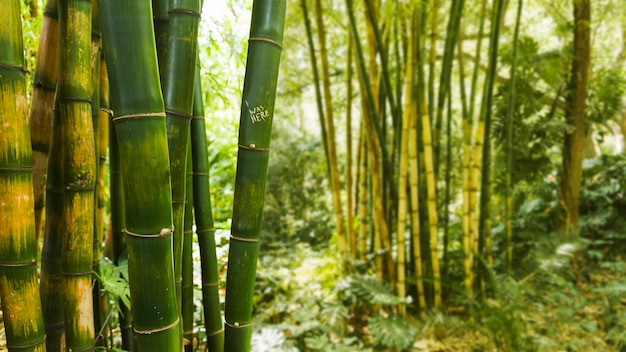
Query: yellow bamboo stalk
431, 187
42, 104
362, 193
415, 220
403, 172
332, 145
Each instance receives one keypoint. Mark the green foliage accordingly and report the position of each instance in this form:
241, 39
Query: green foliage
501, 319
391, 332
297, 201
367, 290
114, 279
604, 95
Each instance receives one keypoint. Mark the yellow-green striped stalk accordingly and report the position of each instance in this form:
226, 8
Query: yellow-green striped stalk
139, 118
257, 112
187, 262
205, 229
42, 104
177, 67
21, 307
78, 161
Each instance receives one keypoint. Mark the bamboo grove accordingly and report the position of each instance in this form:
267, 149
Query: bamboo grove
118, 81
425, 88
431, 106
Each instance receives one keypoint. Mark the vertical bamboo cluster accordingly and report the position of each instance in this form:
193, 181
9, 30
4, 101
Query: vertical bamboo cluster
139, 118
257, 112
19, 287
177, 68
330, 142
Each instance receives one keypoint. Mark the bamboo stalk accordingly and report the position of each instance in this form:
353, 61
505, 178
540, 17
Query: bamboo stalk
205, 228
508, 204
257, 111
118, 223
142, 140
42, 104
21, 307
403, 173
177, 68
100, 300
79, 170
484, 159
473, 169
187, 260
331, 139
351, 234
51, 278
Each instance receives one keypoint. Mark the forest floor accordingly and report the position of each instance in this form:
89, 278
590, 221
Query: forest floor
542, 312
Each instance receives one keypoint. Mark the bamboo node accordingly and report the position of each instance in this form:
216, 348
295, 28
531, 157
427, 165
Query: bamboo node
253, 146
184, 11
162, 233
134, 116
237, 325
16, 68
244, 239
179, 114
43, 86
152, 331
27, 345
267, 40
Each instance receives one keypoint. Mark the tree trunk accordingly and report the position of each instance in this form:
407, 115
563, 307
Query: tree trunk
574, 142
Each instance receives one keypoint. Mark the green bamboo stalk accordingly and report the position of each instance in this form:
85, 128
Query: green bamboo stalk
432, 63
378, 40
508, 189
177, 68
21, 307
484, 226
118, 224
257, 111
370, 101
79, 170
42, 104
316, 80
100, 301
51, 278
204, 224
160, 10
142, 140
452, 33
187, 260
